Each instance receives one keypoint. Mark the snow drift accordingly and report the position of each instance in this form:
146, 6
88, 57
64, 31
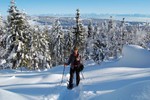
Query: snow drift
136, 91
133, 56
6, 95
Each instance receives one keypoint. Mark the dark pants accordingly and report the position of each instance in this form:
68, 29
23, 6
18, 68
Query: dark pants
72, 71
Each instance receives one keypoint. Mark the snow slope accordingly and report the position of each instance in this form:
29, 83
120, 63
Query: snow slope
133, 56
136, 91
127, 78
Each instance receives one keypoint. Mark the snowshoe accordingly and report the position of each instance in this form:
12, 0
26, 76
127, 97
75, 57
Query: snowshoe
70, 86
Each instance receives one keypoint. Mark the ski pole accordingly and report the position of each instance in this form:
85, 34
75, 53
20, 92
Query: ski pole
82, 75
63, 74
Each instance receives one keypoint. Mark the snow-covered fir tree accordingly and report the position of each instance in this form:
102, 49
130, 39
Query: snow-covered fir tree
119, 38
2, 42
39, 54
17, 38
89, 41
68, 38
95, 31
79, 34
112, 36
57, 43
1, 29
122, 33
142, 36
48, 52
146, 39
1, 22
100, 43
3, 34
90, 29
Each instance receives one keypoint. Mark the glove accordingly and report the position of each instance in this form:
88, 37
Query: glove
65, 64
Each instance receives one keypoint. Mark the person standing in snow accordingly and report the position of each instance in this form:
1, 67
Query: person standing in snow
74, 60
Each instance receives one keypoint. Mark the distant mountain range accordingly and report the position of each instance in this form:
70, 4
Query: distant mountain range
128, 17
93, 15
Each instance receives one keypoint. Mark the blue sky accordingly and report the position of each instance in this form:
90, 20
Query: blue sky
86, 6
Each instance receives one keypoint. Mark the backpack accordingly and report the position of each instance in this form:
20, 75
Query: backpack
81, 67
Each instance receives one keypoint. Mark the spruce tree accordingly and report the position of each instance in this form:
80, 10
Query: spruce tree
79, 34
111, 44
146, 40
1, 22
18, 38
99, 44
89, 41
1, 29
68, 40
90, 29
57, 43
40, 57
121, 35
47, 43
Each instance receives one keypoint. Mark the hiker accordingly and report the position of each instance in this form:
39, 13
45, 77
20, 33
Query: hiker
74, 60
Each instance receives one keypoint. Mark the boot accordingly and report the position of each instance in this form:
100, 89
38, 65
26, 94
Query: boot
70, 86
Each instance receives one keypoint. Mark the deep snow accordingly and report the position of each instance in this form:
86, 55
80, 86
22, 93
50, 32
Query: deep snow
127, 78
